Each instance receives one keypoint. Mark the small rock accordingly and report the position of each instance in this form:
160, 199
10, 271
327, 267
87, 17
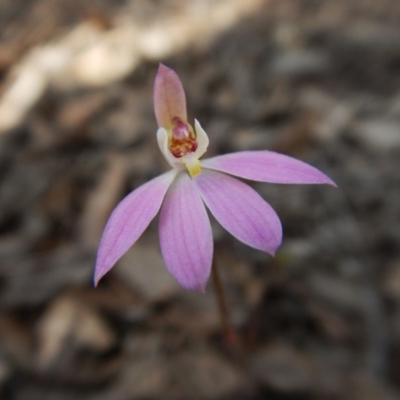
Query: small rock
194, 313
144, 373
143, 269
210, 376
300, 63
334, 122
364, 386
391, 281
336, 291
297, 250
284, 368
144, 378
378, 134
67, 325
35, 279
248, 139
296, 136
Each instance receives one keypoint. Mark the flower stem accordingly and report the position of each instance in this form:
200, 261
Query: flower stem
229, 332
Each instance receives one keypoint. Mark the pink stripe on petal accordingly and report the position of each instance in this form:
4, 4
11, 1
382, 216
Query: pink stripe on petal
169, 97
185, 235
267, 166
128, 221
240, 210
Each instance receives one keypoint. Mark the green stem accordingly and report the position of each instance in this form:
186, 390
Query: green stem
229, 332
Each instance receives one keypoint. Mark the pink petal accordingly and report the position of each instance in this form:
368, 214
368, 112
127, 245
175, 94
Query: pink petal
267, 166
128, 221
185, 235
240, 210
169, 97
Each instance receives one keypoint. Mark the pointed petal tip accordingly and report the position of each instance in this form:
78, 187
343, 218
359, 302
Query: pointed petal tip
322, 179
268, 166
164, 72
192, 285
202, 288
96, 281
273, 250
97, 277
198, 288
272, 253
325, 180
330, 182
168, 96
162, 68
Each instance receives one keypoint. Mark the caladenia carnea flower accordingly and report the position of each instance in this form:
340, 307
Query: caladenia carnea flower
183, 192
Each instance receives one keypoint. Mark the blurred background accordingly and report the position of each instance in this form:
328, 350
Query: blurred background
318, 80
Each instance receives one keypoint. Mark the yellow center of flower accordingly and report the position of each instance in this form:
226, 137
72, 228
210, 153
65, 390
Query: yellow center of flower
182, 143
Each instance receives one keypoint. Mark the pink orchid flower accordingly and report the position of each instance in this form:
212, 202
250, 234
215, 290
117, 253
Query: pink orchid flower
182, 193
